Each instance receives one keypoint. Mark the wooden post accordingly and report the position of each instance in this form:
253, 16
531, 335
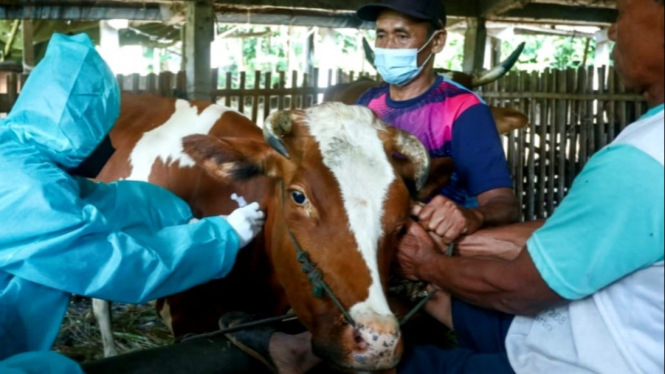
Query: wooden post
109, 42
183, 48
603, 48
29, 61
10, 41
310, 52
496, 51
474, 44
328, 55
199, 34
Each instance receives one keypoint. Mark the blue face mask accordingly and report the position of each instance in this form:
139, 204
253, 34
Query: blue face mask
399, 67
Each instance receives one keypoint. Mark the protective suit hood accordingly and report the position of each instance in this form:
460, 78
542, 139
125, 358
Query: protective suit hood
66, 113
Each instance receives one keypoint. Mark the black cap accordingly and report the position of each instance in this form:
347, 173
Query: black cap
433, 11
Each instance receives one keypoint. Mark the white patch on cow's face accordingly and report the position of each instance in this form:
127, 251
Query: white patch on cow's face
348, 138
165, 142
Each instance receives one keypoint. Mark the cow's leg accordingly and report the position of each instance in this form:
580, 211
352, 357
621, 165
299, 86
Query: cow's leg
102, 311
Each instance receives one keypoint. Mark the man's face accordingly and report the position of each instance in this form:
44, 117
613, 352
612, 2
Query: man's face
397, 31
640, 45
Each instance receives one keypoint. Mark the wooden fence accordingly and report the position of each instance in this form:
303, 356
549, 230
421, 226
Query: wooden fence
165, 84
250, 93
573, 114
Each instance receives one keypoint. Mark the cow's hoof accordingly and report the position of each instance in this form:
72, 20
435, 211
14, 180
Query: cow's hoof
253, 341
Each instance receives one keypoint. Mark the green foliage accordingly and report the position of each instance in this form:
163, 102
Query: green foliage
269, 52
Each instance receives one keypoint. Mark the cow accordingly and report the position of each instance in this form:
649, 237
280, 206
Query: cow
507, 120
334, 176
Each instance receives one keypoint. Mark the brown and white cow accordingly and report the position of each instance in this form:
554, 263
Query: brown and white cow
345, 197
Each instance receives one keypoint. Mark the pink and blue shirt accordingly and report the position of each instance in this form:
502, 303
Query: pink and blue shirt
450, 121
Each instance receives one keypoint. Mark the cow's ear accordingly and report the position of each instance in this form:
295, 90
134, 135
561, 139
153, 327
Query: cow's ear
441, 170
509, 120
232, 159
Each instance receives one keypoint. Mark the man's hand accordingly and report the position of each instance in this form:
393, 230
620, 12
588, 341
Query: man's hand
415, 249
448, 220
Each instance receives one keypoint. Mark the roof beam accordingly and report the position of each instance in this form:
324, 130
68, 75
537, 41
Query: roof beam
610, 4
293, 17
492, 8
321, 13
89, 11
455, 8
562, 15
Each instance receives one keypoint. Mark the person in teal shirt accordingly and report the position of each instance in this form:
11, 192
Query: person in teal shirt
62, 234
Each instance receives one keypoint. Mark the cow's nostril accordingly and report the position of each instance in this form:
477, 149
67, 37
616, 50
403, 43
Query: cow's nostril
361, 344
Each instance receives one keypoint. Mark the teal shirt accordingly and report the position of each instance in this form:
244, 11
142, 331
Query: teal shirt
609, 226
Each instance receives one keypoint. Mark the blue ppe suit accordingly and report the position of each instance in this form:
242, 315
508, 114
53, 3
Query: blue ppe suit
61, 235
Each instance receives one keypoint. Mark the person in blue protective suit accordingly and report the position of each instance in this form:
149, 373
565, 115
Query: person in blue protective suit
62, 234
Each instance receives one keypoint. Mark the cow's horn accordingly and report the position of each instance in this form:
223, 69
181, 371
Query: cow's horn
409, 146
369, 53
275, 128
489, 76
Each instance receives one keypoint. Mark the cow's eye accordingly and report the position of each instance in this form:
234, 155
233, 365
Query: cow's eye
298, 197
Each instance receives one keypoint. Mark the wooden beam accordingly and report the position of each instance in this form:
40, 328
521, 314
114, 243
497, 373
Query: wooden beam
610, 4
310, 54
273, 15
491, 8
10, 41
460, 8
559, 14
540, 30
475, 41
199, 34
603, 48
496, 51
311, 12
291, 17
88, 11
29, 61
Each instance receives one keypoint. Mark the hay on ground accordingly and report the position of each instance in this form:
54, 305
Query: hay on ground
135, 327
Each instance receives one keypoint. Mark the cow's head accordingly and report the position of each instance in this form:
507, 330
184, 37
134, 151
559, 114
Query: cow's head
343, 181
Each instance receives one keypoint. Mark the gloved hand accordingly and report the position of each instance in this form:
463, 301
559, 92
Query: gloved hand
247, 222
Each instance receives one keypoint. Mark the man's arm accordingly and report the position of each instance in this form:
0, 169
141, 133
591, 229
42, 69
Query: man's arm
501, 243
498, 207
597, 236
71, 245
449, 221
514, 287
480, 165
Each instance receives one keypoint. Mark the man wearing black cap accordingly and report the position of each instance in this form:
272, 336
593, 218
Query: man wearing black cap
448, 119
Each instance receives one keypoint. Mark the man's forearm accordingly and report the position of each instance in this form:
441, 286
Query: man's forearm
500, 210
502, 243
514, 287
468, 279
